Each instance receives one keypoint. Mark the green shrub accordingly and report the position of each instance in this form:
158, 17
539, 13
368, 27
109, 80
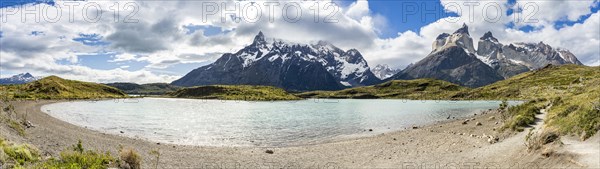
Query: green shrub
78, 157
17, 127
22, 153
74, 159
523, 115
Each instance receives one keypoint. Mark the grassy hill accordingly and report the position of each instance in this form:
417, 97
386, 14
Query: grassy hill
551, 81
572, 90
54, 87
145, 89
234, 92
397, 89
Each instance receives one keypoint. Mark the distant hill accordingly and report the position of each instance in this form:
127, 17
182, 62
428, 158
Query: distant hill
396, 89
54, 87
234, 92
145, 89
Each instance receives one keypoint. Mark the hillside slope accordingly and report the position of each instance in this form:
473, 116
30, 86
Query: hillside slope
234, 92
54, 87
395, 89
573, 91
145, 89
550, 81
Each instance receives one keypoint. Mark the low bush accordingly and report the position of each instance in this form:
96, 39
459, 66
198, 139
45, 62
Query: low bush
130, 159
16, 155
78, 157
535, 141
16, 126
521, 116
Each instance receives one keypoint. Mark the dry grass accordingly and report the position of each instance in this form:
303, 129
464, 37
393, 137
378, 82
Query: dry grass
129, 159
535, 141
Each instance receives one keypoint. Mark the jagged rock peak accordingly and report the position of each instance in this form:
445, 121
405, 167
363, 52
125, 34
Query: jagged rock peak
443, 36
26, 75
325, 46
464, 29
260, 38
323, 43
488, 36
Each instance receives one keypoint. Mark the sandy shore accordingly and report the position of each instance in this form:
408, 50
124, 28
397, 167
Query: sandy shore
443, 145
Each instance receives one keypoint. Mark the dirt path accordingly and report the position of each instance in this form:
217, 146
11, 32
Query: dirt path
587, 153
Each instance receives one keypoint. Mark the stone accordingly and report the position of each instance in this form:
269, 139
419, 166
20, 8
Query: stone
28, 124
269, 152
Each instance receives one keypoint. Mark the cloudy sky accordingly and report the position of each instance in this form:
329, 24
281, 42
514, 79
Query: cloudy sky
160, 41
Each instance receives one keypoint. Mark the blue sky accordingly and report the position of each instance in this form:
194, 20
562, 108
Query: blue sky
169, 41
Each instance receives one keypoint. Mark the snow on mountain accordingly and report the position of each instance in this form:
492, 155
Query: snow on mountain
384, 71
18, 79
349, 67
273, 63
538, 55
453, 59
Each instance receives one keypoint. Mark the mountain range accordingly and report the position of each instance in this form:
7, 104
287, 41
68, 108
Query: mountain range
293, 67
453, 58
18, 79
323, 66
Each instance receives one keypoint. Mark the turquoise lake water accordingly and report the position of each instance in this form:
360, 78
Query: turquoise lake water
242, 123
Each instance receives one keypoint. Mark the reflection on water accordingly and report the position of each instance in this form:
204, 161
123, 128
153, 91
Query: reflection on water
241, 123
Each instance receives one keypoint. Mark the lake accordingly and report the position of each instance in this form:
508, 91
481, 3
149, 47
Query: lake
243, 123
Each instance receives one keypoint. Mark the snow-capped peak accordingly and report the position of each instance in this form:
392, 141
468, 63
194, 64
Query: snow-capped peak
260, 38
325, 47
489, 37
346, 66
384, 71
18, 79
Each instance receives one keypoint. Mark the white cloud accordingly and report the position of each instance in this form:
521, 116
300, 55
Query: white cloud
358, 9
555, 10
124, 57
